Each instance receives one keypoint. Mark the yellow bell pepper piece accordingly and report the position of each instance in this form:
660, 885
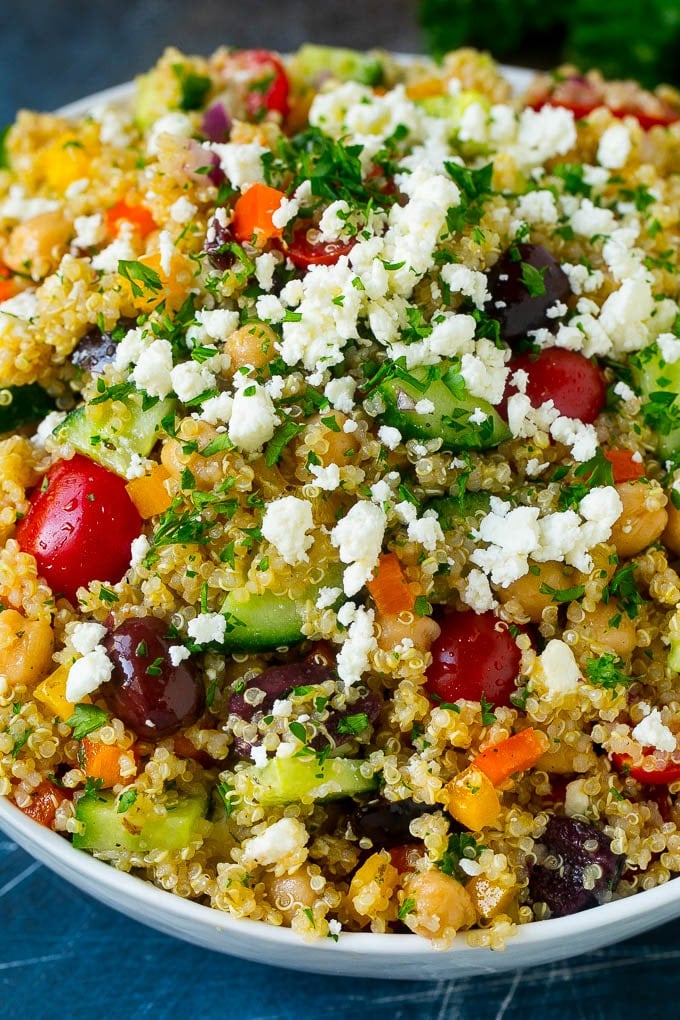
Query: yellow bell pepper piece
472, 799
65, 161
52, 693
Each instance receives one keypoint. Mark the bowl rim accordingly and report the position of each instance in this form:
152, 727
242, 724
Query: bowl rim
58, 855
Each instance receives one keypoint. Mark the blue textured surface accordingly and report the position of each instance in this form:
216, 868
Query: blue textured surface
62, 955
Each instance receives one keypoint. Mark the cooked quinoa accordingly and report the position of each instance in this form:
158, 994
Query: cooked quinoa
340, 488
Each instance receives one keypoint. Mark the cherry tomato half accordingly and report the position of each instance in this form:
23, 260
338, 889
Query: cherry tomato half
268, 84
624, 467
668, 773
474, 655
582, 96
571, 381
304, 252
79, 526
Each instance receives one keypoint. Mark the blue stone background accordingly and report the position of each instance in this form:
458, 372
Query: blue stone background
61, 954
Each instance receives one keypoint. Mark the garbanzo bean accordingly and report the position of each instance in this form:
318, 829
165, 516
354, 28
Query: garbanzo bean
440, 906
608, 629
534, 590
251, 345
207, 471
421, 630
36, 246
289, 893
25, 648
335, 446
671, 534
643, 518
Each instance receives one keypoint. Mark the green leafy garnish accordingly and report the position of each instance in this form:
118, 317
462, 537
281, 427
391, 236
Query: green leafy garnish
140, 277
353, 724
85, 719
126, 801
607, 672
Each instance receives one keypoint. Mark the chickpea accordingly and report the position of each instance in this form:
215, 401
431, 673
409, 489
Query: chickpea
288, 893
36, 246
252, 344
608, 629
441, 905
643, 518
421, 630
527, 590
671, 535
207, 471
340, 447
25, 648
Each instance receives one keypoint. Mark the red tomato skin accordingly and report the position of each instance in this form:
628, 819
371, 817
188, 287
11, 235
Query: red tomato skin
43, 807
475, 655
624, 468
669, 773
275, 96
304, 253
573, 382
80, 527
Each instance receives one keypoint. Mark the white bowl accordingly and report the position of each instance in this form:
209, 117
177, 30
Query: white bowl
401, 957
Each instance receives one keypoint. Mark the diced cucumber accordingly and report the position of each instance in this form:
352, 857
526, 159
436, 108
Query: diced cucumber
451, 108
114, 432
269, 621
289, 780
659, 385
454, 512
23, 405
453, 407
105, 829
312, 61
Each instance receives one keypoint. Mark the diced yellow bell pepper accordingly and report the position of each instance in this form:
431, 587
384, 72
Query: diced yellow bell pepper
52, 693
490, 899
472, 799
65, 161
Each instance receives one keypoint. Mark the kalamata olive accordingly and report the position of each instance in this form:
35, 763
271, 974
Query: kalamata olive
275, 683
98, 347
580, 870
369, 705
151, 696
525, 282
386, 823
217, 243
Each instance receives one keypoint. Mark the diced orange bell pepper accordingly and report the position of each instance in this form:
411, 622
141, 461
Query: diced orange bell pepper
253, 214
148, 492
515, 754
8, 283
138, 216
389, 588
624, 468
472, 800
103, 761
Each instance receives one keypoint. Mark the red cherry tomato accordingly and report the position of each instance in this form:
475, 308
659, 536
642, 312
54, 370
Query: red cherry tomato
582, 96
662, 776
268, 84
474, 655
571, 381
79, 526
406, 856
304, 252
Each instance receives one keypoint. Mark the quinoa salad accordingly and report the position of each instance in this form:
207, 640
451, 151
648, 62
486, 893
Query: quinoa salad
340, 488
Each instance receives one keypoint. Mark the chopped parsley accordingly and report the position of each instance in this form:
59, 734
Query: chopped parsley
142, 279
126, 801
606, 672
85, 719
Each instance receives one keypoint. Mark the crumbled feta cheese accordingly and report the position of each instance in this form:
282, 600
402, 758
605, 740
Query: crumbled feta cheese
90, 230
477, 592
153, 369
544, 133
558, 668
334, 927
358, 538
182, 210
468, 282
207, 627
253, 418
353, 657
327, 597
178, 654
87, 674
614, 147
538, 207
590, 219
285, 838
242, 164
282, 707
653, 732
389, 437
86, 636
190, 379
340, 392
287, 211
265, 265
217, 410
179, 125
381, 491
576, 800
138, 550
129, 349
119, 250
258, 754
47, 427
623, 390
285, 524
327, 478
19, 208
219, 323
426, 531
424, 406
669, 345
582, 439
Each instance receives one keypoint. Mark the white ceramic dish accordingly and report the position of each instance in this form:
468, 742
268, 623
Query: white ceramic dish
402, 957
